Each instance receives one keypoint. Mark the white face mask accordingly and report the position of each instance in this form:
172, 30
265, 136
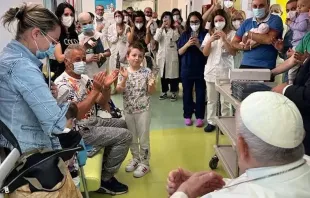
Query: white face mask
176, 17
195, 27
67, 20
236, 24
228, 4
291, 14
139, 25
220, 25
79, 68
147, 18
154, 19
118, 20
126, 18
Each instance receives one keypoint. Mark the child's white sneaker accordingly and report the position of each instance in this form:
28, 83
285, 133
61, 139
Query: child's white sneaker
133, 165
141, 171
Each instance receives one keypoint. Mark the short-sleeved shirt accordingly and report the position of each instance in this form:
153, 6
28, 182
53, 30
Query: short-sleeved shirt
102, 46
78, 89
219, 60
192, 61
135, 96
304, 44
264, 55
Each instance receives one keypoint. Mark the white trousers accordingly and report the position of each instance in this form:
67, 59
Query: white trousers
212, 95
139, 125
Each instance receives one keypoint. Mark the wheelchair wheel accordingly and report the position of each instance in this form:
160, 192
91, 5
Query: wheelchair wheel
214, 162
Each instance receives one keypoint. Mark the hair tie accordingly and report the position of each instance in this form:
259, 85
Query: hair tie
19, 14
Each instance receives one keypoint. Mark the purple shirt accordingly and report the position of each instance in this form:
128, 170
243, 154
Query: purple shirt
300, 26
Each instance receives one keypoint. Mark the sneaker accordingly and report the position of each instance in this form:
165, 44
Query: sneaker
112, 187
163, 96
209, 128
133, 165
188, 122
173, 97
141, 171
199, 123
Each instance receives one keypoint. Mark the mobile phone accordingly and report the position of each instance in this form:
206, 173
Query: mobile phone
194, 34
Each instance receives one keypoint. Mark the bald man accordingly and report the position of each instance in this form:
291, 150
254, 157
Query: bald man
96, 45
148, 13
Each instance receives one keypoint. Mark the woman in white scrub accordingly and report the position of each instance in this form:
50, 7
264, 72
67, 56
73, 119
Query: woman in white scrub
118, 39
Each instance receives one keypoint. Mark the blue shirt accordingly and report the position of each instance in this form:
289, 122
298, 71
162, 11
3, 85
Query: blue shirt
192, 61
28, 108
263, 55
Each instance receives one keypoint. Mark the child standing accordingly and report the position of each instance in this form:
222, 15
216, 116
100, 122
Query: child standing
137, 83
300, 25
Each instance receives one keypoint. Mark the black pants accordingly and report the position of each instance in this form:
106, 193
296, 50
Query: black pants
256, 67
174, 84
188, 104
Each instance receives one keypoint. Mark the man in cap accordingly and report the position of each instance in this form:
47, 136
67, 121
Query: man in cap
270, 152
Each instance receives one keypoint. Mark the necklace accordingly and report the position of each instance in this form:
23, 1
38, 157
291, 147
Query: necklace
268, 176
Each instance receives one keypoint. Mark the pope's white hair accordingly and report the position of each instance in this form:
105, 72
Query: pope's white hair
264, 153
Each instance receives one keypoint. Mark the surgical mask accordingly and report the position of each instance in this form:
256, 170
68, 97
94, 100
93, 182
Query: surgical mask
259, 13
118, 20
228, 4
126, 19
147, 18
67, 20
220, 25
154, 19
236, 24
176, 17
79, 67
292, 14
88, 28
195, 27
139, 25
43, 54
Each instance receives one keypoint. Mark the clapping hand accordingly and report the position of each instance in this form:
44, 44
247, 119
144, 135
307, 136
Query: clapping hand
202, 183
176, 178
98, 81
111, 78
123, 71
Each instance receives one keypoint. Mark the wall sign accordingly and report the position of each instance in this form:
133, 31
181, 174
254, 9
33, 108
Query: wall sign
109, 5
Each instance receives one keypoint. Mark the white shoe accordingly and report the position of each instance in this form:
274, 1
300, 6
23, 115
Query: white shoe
133, 165
141, 171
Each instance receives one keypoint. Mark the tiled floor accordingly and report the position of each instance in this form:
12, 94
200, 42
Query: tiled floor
172, 145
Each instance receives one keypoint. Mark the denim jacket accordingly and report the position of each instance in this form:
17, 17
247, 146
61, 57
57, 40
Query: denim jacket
27, 106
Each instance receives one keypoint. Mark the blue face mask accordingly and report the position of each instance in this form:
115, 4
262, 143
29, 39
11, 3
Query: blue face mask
88, 28
43, 54
259, 13
47, 53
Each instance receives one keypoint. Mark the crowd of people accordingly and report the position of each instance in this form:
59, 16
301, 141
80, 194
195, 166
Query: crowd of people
93, 58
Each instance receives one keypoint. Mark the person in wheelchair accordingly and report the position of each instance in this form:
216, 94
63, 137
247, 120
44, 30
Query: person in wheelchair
111, 133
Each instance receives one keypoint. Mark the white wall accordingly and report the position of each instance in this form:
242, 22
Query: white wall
6, 36
139, 5
89, 5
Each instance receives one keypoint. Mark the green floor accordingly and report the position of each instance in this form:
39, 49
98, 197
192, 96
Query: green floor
172, 145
